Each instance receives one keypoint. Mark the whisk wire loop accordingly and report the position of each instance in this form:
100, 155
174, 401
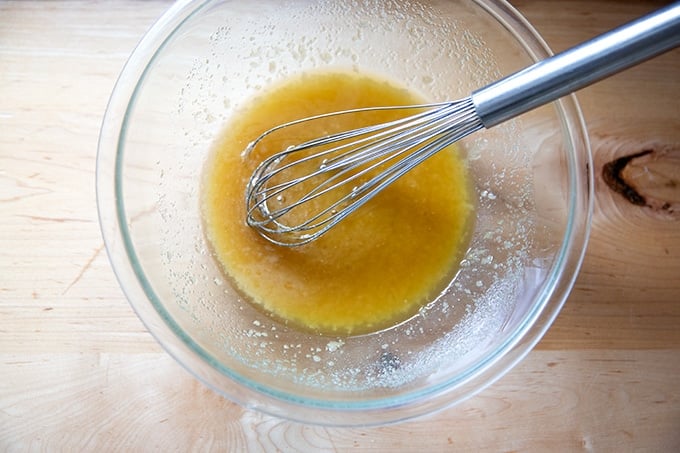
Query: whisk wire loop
364, 161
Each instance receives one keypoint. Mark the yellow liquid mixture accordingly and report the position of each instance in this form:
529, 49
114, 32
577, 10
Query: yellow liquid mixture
374, 269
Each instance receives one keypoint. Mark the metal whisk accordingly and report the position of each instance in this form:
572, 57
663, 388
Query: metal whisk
300, 193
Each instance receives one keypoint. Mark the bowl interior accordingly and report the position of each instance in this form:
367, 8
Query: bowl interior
205, 60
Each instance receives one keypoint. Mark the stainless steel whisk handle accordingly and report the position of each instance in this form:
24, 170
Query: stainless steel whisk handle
579, 66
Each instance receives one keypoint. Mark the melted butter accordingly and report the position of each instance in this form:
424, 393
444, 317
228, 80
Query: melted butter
374, 269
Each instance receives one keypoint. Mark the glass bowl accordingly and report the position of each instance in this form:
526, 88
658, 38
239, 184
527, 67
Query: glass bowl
200, 63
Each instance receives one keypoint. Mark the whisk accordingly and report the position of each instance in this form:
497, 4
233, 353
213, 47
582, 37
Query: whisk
300, 193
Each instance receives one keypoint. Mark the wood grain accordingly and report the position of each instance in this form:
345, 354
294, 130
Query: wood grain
628, 292
565, 401
78, 371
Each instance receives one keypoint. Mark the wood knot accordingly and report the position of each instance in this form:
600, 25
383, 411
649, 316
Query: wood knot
649, 178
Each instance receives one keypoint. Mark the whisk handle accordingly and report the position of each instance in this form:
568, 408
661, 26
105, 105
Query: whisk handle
580, 66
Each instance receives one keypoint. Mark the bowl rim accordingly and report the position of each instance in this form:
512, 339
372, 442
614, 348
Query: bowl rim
250, 394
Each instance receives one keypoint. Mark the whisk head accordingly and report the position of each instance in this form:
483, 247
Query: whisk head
298, 194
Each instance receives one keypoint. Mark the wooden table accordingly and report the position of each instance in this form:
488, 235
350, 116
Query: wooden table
78, 371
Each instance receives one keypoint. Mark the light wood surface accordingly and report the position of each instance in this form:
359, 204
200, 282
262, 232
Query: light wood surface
78, 371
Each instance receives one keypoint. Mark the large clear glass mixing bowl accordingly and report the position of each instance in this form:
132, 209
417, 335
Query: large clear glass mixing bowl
200, 63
